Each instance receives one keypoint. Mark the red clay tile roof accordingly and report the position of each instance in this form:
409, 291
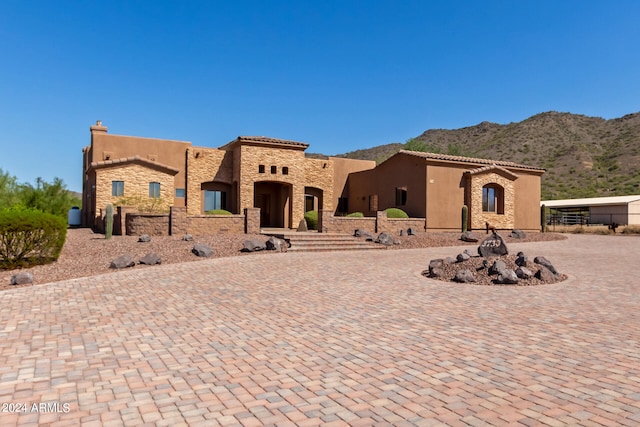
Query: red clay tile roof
460, 159
135, 159
263, 140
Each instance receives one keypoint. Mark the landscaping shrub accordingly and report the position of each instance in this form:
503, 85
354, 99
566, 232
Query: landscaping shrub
218, 212
29, 237
631, 229
396, 213
356, 215
311, 217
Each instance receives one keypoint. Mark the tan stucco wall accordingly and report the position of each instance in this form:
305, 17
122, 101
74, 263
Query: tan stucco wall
445, 195
342, 168
206, 165
136, 180
527, 200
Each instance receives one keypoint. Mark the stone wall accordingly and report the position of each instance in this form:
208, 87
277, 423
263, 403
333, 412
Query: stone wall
478, 218
136, 180
152, 224
203, 225
379, 224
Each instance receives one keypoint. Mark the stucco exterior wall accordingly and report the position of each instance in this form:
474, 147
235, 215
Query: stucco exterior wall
136, 180
206, 165
445, 195
342, 170
527, 194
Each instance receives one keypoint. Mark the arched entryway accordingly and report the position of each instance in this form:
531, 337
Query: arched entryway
274, 201
312, 199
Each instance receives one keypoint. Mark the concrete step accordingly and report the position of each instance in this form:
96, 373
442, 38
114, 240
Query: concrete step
323, 242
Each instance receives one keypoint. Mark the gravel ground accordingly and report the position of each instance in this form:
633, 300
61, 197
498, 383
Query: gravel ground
86, 253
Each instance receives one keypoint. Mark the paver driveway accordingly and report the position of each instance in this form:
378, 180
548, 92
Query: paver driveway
329, 339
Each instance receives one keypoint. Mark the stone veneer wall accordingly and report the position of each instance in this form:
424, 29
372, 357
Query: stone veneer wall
478, 217
136, 180
151, 224
204, 225
379, 224
210, 165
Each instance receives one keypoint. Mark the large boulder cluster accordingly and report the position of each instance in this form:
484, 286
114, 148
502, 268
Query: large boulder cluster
494, 266
271, 244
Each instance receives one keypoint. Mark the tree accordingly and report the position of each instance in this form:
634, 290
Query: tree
53, 198
414, 144
9, 191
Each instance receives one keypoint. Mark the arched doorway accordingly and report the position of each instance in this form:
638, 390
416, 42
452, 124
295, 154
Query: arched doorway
313, 199
274, 201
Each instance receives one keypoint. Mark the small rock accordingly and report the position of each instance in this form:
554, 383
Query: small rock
518, 234
468, 252
449, 260
402, 232
498, 267
363, 233
469, 236
524, 273
521, 261
25, 278
411, 231
253, 245
507, 277
464, 276
436, 272
145, 238
302, 226
276, 244
385, 239
187, 238
462, 257
124, 261
545, 262
151, 259
545, 275
202, 250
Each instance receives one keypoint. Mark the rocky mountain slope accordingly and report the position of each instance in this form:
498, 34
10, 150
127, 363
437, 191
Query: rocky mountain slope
584, 156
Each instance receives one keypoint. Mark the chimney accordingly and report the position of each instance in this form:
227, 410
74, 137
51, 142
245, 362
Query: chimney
98, 127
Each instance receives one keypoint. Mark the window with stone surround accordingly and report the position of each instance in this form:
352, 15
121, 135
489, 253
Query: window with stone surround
117, 188
154, 190
493, 199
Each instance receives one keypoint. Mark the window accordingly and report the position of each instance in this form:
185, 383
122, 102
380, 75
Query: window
214, 200
274, 169
180, 192
373, 203
492, 199
343, 205
117, 188
261, 169
154, 190
401, 196
285, 170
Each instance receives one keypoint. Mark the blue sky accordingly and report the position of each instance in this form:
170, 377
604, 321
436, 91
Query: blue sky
339, 75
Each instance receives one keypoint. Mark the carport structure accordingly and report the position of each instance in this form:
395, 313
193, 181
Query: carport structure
622, 210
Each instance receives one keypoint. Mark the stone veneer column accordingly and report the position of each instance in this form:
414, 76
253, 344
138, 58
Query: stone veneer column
382, 225
252, 220
178, 221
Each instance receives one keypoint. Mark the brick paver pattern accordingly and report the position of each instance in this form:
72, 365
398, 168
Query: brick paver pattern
343, 338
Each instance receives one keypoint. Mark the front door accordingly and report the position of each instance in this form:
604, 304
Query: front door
263, 201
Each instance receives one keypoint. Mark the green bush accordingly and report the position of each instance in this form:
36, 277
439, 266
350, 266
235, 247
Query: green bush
29, 237
356, 215
396, 213
218, 212
311, 217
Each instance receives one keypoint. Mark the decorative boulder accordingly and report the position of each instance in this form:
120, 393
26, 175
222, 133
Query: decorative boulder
276, 244
522, 259
151, 259
253, 245
507, 277
545, 275
462, 257
145, 238
124, 261
363, 233
498, 267
493, 246
385, 238
545, 262
518, 234
187, 238
201, 250
469, 236
435, 268
449, 260
464, 276
468, 252
22, 279
302, 226
524, 273
411, 231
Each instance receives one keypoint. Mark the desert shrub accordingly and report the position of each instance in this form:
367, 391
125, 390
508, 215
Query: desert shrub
143, 204
356, 215
218, 212
631, 229
396, 213
311, 217
30, 237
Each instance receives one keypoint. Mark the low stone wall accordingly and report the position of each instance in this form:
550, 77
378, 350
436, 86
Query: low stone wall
202, 225
394, 225
151, 224
343, 224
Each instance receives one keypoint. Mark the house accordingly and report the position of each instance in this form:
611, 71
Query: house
275, 176
622, 210
436, 186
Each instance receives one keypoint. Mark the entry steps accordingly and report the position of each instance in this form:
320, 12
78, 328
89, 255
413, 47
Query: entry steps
323, 242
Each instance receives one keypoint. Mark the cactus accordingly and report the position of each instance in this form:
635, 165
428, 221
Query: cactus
543, 218
108, 222
465, 217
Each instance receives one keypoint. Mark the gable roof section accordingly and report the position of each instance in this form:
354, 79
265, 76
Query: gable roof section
471, 160
266, 142
493, 168
135, 160
592, 201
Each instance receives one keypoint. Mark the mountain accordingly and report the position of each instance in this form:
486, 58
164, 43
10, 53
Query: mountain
584, 156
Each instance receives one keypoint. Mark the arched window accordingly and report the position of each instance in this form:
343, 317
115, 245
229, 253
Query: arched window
493, 199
